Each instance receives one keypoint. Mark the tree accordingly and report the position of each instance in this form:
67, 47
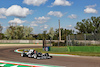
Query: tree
18, 32
96, 24
56, 35
44, 35
64, 33
40, 36
51, 33
27, 32
10, 32
1, 36
91, 25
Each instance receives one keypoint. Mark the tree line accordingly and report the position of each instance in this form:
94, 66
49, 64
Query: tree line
86, 26
18, 32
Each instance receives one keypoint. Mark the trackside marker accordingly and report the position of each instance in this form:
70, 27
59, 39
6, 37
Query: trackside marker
19, 64
2, 64
14, 66
2, 61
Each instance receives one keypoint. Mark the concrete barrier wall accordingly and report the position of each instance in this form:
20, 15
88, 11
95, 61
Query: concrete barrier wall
88, 41
47, 41
24, 41
27, 41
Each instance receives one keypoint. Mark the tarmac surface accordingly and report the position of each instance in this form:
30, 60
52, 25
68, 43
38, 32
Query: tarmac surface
8, 54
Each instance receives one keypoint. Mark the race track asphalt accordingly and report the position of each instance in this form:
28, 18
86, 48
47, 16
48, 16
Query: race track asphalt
8, 54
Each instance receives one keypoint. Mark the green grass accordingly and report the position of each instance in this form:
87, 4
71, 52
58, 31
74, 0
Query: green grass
85, 53
63, 50
57, 50
84, 49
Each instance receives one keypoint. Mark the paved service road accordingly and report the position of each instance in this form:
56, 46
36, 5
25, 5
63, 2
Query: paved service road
8, 54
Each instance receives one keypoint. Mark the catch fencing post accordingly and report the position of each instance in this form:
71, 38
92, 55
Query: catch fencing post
45, 43
58, 41
85, 38
69, 40
50, 42
66, 40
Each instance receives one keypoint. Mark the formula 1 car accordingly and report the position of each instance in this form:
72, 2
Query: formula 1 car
34, 54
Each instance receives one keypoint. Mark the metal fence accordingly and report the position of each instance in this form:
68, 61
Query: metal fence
83, 39
85, 36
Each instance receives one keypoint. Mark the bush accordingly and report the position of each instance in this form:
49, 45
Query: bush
60, 43
58, 49
84, 48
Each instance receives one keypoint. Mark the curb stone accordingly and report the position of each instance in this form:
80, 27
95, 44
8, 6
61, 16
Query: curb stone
20, 64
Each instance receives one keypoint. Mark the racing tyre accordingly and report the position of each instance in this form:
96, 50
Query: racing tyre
39, 58
29, 56
49, 57
22, 54
35, 56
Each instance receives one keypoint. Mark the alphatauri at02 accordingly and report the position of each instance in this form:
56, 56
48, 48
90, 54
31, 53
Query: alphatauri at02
34, 54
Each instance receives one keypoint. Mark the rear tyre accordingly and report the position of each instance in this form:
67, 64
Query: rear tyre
49, 57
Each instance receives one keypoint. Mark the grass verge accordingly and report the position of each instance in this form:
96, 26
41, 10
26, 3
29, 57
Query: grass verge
55, 50
84, 49
85, 53
63, 50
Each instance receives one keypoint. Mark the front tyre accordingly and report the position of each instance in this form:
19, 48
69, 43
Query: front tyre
29, 56
35, 56
22, 55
